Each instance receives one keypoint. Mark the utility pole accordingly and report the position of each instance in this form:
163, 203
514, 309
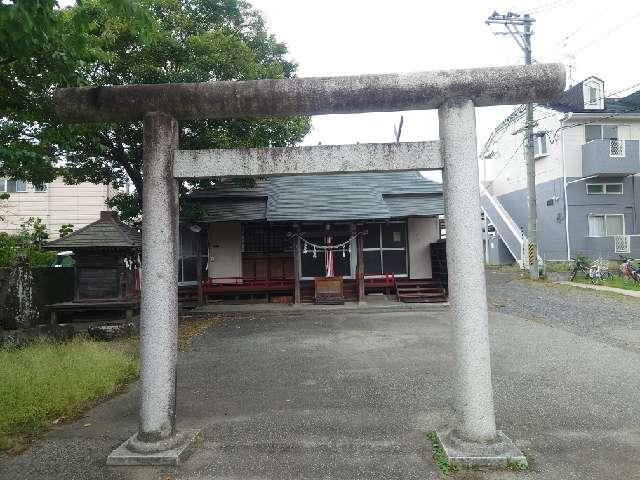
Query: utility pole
519, 27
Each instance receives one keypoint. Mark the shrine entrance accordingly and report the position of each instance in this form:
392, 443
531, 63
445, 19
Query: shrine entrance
454, 93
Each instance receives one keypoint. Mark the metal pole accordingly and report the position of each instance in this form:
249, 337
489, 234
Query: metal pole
486, 239
159, 301
532, 233
467, 290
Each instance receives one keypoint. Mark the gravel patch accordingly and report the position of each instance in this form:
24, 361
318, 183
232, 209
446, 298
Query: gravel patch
606, 317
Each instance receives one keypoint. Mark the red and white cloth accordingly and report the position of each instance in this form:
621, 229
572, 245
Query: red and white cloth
328, 258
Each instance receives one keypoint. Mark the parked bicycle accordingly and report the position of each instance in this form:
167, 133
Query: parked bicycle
596, 271
629, 271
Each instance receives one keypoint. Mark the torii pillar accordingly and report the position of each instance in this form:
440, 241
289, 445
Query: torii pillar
455, 93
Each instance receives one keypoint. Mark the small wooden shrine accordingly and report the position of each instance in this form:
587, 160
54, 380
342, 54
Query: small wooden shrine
107, 266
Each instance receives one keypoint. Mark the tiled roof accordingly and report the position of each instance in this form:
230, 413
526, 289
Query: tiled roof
348, 196
107, 232
572, 101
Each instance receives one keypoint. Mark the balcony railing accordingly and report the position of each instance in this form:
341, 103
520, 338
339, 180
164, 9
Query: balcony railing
610, 157
616, 148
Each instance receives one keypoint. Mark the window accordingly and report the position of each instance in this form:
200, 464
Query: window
600, 132
540, 145
385, 248
265, 238
41, 189
12, 186
606, 225
604, 189
592, 93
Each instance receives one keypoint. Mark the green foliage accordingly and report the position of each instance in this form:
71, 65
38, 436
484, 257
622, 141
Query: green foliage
28, 241
128, 205
42, 382
97, 43
65, 229
35, 231
516, 466
439, 456
191, 212
582, 261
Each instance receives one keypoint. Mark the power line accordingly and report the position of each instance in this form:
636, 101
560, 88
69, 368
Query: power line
605, 34
564, 39
551, 6
506, 164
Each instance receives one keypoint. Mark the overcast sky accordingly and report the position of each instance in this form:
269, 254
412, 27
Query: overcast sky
345, 37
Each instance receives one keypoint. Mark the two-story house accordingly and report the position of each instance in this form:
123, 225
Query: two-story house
56, 204
587, 184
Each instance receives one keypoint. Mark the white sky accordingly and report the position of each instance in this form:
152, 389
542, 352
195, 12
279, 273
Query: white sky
346, 37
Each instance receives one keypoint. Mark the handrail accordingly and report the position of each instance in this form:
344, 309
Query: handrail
503, 213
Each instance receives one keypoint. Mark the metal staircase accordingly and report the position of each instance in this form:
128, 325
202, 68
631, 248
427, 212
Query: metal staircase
505, 227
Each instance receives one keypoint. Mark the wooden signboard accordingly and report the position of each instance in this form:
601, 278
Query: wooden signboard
329, 290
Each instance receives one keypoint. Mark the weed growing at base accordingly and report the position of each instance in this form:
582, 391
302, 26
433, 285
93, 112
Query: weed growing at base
43, 382
438, 455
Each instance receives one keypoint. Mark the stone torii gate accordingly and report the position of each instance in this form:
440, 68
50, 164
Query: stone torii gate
454, 93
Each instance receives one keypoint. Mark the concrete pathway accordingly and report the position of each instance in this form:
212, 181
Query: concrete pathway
348, 395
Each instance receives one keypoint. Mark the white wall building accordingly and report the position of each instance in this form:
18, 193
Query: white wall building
587, 164
56, 204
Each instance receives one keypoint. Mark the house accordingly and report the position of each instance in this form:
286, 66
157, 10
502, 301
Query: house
277, 232
56, 204
587, 184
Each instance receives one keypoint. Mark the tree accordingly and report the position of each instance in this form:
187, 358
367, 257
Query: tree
178, 41
41, 48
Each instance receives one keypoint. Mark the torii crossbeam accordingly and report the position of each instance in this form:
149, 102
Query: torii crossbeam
454, 93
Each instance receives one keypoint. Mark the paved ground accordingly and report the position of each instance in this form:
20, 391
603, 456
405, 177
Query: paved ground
348, 395
602, 316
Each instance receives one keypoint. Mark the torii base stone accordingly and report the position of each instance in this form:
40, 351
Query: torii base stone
183, 443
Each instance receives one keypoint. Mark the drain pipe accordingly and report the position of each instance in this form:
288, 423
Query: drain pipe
564, 184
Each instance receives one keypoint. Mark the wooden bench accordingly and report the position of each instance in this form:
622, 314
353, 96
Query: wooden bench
245, 285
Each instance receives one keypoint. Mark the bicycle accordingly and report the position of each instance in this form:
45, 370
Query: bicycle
581, 265
629, 271
596, 271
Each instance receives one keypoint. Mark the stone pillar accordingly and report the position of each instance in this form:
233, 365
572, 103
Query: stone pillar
156, 441
360, 268
159, 301
297, 261
475, 434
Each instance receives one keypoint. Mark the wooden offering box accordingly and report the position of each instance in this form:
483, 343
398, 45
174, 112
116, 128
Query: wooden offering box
329, 291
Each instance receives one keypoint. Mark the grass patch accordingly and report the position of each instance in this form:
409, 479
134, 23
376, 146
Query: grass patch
615, 282
438, 455
516, 466
44, 382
